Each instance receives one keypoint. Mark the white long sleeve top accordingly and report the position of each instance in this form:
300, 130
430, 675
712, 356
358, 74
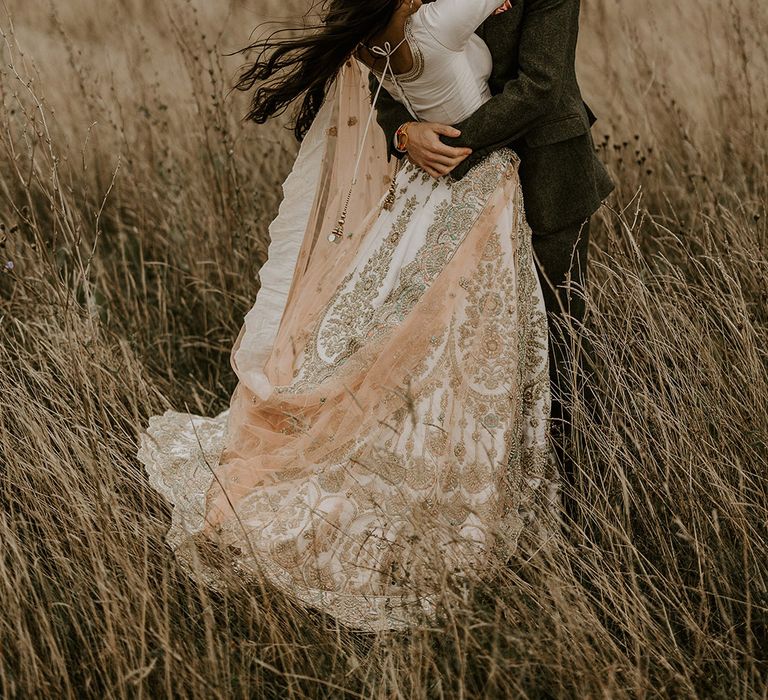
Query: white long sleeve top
451, 64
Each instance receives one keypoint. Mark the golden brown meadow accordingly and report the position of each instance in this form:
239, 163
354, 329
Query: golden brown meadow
134, 207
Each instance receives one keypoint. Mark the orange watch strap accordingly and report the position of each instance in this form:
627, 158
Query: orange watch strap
402, 137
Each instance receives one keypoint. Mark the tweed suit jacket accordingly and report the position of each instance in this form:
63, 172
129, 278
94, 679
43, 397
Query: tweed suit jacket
536, 109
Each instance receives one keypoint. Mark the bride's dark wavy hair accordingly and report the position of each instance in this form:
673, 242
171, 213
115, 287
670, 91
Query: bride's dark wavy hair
306, 62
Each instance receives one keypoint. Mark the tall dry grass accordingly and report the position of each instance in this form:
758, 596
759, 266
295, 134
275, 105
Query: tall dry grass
134, 213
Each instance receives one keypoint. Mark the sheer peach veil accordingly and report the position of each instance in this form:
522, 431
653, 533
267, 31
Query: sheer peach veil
302, 271
312, 199
276, 436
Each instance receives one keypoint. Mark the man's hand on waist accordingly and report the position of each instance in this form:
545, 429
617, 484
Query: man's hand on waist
426, 150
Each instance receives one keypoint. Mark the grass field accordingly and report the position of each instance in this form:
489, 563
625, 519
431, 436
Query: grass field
134, 206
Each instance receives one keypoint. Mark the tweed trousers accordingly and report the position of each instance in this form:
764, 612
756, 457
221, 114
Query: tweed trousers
561, 260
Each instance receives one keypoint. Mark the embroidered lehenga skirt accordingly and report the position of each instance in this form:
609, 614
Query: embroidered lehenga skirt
390, 423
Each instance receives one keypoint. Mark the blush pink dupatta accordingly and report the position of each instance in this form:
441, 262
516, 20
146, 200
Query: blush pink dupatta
302, 271
472, 345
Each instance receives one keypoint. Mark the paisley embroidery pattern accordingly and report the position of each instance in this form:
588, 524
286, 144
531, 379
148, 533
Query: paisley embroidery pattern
359, 310
447, 480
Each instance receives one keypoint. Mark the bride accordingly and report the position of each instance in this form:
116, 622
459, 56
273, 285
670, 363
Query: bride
389, 430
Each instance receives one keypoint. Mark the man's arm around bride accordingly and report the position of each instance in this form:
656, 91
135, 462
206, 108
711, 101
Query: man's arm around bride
537, 109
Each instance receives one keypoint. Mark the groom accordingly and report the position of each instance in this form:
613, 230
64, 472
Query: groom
537, 110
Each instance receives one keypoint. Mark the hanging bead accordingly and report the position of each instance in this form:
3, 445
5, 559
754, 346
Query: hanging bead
338, 233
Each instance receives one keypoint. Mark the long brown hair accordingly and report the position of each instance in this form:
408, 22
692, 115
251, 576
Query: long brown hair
306, 62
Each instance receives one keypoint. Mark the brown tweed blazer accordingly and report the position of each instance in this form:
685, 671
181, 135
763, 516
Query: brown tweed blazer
537, 109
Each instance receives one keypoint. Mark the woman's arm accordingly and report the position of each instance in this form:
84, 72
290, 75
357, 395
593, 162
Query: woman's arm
453, 22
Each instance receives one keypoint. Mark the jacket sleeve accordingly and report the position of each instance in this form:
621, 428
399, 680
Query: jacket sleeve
390, 115
546, 47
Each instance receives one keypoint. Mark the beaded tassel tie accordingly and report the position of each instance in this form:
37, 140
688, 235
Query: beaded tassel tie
338, 232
